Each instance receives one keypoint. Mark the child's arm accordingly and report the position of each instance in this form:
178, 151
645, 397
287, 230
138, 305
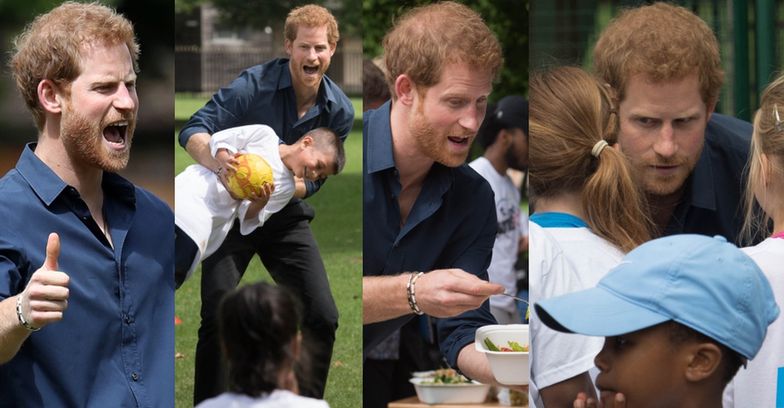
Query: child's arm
257, 203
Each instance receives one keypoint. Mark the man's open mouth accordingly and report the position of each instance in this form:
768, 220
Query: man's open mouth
115, 133
311, 69
459, 140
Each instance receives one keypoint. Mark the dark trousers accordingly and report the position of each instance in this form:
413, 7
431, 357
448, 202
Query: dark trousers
288, 250
384, 381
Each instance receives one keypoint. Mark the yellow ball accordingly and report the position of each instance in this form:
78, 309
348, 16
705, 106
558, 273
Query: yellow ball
251, 175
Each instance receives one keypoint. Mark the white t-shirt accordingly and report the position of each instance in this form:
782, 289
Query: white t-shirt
276, 399
761, 383
507, 238
205, 211
563, 260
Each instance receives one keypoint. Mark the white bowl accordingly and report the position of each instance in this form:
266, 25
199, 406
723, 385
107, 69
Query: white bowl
471, 393
509, 367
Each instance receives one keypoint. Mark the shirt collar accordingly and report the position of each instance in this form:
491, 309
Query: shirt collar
701, 182
47, 185
379, 139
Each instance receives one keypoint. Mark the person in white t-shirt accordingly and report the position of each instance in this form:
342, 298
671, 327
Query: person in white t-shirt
259, 330
504, 136
588, 212
761, 383
205, 210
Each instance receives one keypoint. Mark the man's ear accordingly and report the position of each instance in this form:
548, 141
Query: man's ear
49, 96
405, 89
710, 106
704, 360
287, 45
332, 48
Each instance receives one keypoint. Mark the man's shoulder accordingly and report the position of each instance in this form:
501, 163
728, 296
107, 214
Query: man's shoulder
147, 201
728, 134
467, 180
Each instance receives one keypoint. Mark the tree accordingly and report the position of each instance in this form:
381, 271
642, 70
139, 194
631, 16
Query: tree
508, 19
263, 13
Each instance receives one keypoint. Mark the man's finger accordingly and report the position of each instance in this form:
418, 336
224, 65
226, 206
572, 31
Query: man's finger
52, 252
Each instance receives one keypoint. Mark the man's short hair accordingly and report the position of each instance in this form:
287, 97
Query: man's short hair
663, 42
311, 16
427, 38
326, 139
51, 47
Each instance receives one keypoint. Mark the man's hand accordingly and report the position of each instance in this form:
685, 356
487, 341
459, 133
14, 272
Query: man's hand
226, 165
450, 292
46, 296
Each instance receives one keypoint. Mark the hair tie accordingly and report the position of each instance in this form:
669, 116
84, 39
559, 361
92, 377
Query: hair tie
598, 147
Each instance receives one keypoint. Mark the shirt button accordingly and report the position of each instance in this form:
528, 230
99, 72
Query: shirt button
127, 319
135, 376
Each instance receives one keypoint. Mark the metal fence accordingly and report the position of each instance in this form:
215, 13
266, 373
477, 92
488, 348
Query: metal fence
206, 70
750, 34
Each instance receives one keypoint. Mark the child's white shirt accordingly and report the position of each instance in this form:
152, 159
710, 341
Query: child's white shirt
761, 383
275, 399
563, 260
205, 211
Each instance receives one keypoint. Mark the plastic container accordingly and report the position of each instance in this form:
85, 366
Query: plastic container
509, 367
471, 393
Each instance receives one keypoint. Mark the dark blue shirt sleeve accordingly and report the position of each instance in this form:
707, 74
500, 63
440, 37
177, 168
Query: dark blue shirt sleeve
225, 110
457, 332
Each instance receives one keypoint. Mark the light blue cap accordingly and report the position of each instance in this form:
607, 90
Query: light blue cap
704, 283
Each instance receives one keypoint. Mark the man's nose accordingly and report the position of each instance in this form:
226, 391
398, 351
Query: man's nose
472, 118
665, 144
125, 98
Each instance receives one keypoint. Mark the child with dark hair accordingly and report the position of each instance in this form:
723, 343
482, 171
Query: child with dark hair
259, 329
679, 315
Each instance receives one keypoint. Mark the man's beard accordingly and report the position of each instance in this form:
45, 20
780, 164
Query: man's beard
83, 141
434, 144
513, 160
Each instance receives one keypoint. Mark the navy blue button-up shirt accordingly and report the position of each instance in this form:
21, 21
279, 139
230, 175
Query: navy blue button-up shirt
451, 225
713, 201
115, 344
264, 94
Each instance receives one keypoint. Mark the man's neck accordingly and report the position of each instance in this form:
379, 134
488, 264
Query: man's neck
411, 163
662, 208
85, 179
306, 97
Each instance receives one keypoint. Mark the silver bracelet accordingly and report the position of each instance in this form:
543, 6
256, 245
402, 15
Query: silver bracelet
21, 318
411, 292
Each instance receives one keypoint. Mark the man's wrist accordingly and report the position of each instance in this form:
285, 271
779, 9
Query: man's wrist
411, 292
20, 315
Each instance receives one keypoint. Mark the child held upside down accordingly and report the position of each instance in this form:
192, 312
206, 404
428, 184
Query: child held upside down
205, 209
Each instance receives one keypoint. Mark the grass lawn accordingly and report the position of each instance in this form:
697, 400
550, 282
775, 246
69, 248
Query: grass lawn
338, 230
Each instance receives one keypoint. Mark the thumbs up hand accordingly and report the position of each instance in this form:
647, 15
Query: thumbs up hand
46, 296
